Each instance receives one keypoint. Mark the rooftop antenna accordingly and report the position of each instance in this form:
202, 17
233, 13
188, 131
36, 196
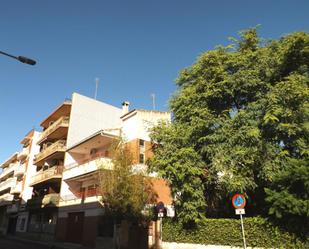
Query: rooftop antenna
96, 87
153, 96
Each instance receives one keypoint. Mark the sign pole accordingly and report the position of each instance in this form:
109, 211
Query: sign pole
243, 231
239, 203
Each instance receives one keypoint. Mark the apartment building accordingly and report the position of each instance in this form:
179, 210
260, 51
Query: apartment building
46, 182
14, 186
81, 214
50, 188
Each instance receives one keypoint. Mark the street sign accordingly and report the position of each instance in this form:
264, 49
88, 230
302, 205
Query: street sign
160, 206
239, 201
161, 215
239, 211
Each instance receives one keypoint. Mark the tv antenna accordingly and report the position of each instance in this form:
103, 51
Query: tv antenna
153, 96
96, 87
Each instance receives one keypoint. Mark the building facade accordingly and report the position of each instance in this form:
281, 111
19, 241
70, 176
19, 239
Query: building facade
64, 201
14, 186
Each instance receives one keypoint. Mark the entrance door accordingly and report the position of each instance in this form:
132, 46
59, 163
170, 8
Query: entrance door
75, 227
12, 225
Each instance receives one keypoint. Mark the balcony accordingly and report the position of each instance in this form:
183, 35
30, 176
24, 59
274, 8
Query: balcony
6, 171
55, 130
6, 198
13, 208
20, 170
44, 175
78, 198
23, 153
9, 183
86, 166
58, 146
17, 188
49, 200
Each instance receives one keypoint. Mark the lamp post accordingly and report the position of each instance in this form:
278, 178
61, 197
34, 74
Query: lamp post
22, 59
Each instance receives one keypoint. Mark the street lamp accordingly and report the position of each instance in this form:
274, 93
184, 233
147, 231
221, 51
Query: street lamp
22, 59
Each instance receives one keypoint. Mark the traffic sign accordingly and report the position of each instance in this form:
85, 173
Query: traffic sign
160, 206
239, 211
239, 201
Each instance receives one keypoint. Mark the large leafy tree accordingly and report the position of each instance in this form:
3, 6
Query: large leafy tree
239, 114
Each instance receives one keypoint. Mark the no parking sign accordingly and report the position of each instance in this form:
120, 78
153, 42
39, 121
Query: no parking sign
239, 203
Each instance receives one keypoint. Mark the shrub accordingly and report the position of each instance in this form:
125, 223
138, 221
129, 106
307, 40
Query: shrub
259, 233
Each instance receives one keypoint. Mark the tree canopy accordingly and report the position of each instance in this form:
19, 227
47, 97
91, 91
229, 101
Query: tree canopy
240, 114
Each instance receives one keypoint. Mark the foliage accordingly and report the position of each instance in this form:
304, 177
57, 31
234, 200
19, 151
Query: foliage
258, 232
239, 114
125, 191
289, 196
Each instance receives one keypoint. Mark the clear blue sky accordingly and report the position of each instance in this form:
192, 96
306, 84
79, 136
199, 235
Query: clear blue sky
135, 47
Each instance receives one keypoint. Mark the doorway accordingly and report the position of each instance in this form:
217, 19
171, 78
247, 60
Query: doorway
75, 227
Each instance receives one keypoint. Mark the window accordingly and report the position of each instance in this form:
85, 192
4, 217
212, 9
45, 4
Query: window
141, 143
142, 151
141, 158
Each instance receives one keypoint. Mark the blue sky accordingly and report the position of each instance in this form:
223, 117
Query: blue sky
135, 47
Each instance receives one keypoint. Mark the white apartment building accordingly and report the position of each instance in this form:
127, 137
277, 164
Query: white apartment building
49, 189
81, 215
14, 186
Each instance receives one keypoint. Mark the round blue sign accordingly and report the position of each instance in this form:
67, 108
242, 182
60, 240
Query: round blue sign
239, 201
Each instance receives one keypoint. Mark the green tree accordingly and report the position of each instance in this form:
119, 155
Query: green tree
125, 190
288, 196
239, 114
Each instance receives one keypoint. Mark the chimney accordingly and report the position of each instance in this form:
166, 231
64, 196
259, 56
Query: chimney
125, 107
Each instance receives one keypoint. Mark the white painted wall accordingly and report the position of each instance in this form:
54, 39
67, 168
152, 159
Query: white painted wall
31, 169
89, 116
137, 124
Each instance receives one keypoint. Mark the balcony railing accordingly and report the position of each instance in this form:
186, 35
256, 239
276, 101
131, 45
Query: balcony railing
49, 200
20, 170
87, 165
81, 195
44, 175
9, 169
23, 153
57, 146
9, 183
17, 188
61, 122
6, 198
13, 208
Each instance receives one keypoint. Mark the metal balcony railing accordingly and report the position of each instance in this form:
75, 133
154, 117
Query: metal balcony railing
44, 175
57, 146
61, 122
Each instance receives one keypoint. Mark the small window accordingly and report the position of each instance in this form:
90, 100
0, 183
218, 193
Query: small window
141, 158
141, 143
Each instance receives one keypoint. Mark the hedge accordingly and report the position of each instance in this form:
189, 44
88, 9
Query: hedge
259, 233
